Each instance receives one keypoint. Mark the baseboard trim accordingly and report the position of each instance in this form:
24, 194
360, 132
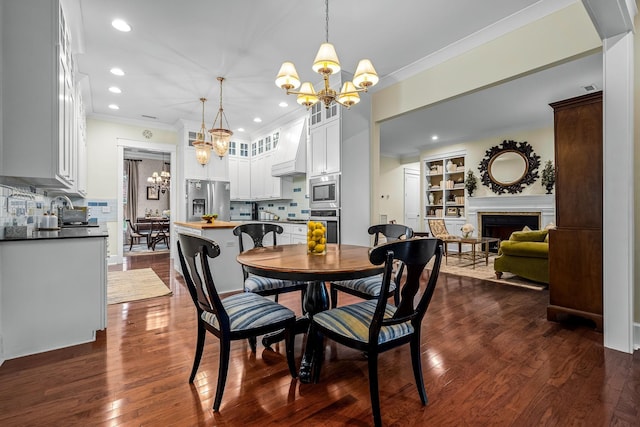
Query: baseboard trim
636, 336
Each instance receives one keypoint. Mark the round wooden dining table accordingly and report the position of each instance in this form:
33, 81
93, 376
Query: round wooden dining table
292, 262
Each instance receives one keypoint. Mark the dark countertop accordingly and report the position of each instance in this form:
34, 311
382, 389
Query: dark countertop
64, 233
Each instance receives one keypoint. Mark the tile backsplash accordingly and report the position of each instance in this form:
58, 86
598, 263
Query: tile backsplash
296, 207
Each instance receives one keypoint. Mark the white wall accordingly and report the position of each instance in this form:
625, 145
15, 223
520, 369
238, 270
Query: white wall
542, 141
146, 167
102, 160
391, 194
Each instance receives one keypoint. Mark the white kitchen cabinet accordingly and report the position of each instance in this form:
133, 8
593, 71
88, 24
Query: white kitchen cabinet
39, 94
240, 178
298, 233
324, 149
60, 301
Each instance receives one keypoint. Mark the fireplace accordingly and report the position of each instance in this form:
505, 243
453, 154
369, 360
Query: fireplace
501, 225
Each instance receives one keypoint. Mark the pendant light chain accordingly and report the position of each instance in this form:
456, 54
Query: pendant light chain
326, 25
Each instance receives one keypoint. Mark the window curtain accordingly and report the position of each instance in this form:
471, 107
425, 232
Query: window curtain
131, 209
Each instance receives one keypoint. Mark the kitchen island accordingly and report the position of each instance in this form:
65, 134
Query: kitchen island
227, 272
53, 290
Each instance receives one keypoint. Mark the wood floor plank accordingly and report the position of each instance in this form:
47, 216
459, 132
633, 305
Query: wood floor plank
489, 357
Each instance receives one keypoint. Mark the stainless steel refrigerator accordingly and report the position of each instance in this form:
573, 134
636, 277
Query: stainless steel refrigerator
207, 197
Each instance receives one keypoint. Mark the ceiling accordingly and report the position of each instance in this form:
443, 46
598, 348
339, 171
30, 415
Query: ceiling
176, 50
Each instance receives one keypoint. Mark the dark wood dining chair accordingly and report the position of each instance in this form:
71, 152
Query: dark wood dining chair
237, 317
375, 326
134, 234
159, 232
258, 284
369, 287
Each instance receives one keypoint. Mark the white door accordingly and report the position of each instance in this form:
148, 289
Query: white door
412, 199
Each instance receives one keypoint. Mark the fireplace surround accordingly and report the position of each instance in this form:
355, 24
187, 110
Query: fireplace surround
511, 212
502, 224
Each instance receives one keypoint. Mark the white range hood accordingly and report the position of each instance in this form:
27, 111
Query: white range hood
291, 155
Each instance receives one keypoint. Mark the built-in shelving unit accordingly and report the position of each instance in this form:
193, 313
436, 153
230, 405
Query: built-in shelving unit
444, 186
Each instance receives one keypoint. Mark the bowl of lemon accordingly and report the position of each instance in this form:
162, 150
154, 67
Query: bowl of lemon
209, 218
316, 237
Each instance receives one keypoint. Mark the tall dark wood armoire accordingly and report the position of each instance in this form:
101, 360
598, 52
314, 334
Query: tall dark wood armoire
575, 246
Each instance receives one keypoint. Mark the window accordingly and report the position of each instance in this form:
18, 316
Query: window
316, 113
192, 136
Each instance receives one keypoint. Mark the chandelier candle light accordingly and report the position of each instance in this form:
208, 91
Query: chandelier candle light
162, 180
327, 63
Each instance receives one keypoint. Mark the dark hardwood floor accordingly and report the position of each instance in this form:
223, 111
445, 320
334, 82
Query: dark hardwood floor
490, 358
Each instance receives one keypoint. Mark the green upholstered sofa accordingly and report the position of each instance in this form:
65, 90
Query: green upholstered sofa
525, 254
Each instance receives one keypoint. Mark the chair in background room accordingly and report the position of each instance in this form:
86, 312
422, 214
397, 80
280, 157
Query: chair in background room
439, 229
134, 234
374, 326
240, 316
369, 287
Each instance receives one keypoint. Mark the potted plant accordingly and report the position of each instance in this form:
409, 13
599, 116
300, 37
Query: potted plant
471, 183
548, 176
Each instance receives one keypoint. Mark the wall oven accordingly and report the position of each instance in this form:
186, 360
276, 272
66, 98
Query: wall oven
332, 218
324, 192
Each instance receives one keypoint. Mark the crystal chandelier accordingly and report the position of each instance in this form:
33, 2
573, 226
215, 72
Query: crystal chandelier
327, 63
162, 180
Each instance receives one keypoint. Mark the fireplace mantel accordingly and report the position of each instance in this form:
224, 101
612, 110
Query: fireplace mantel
542, 203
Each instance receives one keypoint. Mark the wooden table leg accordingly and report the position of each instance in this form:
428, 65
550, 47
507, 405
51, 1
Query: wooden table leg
473, 254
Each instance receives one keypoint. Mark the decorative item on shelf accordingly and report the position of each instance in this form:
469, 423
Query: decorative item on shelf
326, 64
471, 183
450, 166
467, 230
316, 237
509, 167
431, 198
548, 176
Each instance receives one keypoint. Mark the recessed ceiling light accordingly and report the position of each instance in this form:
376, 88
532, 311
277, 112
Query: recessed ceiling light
117, 71
257, 120
434, 138
121, 25
283, 104
114, 107
115, 89
240, 129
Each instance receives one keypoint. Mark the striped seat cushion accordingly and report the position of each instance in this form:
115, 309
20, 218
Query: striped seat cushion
352, 321
367, 285
248, 311
255, 283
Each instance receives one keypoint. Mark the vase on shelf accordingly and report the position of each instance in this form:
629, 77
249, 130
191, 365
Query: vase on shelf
450, 166
431, 198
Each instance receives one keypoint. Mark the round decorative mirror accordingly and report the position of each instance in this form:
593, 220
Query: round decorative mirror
509, 167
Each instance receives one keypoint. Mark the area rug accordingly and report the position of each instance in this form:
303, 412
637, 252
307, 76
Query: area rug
133, 285
142, 249
463, 266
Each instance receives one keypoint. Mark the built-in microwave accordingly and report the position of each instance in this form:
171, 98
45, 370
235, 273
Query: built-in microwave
324, 192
